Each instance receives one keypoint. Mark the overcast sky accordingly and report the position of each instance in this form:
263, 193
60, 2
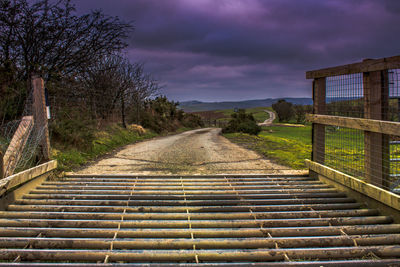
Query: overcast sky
215, 50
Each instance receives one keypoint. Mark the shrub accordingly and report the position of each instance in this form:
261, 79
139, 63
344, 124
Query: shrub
284, 110
68, 130
192, 120
162, 115
243, 123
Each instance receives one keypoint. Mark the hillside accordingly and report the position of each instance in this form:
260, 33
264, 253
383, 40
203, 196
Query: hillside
193, 106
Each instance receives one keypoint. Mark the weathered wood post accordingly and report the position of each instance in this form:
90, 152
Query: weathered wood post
1, 165
376, 104
318, 130
40, 115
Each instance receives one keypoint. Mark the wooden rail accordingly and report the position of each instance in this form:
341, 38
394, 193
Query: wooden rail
377, 126
368, 65
390, 199
18, 179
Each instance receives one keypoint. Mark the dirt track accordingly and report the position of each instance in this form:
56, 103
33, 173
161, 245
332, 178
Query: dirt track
201, 151
268, 121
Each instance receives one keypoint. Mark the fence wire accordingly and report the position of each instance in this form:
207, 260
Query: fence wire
394, 115
345, 95
20, 147
345, 148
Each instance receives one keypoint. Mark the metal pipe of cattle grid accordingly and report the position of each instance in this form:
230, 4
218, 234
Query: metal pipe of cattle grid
182, 203
199, 180
260, 208
187, 192
188, 197
195, 223
178, 180
183, 216
189, 188
302, 242
202, 255
313, 263
202, 233
177, 184
226, 220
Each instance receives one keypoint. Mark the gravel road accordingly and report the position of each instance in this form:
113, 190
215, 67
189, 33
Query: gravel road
268, 121
202, 151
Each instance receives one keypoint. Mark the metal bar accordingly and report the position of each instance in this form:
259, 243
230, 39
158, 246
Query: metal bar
313, 263
316, 185
194, 180
184, 177
166, 243
172, 185
187, 181
172, 192
204, 255
183, 215
98, 208
179, 203
195, 223
203, 233
179, 197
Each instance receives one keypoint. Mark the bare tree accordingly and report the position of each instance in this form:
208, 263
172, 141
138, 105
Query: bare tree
48, 37
144, 87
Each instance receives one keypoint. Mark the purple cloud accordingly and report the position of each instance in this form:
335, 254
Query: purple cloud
248, 49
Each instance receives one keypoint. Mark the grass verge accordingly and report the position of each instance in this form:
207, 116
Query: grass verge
105, 141
288, 146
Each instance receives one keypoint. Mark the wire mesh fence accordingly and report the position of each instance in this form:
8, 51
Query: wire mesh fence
359, 153
20, 141
345, 95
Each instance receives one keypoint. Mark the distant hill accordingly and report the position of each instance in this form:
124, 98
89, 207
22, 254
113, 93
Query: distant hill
193, 106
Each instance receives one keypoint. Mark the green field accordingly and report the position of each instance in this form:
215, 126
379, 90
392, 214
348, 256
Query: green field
287, 146
259, 113
224, 115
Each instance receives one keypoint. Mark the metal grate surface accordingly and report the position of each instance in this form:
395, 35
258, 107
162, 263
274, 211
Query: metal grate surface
194, 220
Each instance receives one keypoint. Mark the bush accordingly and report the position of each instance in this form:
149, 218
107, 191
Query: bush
192, 120
72, 132
162, 115
284, 110
243, 123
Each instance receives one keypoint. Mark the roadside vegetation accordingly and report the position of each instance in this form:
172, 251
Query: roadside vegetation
70, 157
242, 123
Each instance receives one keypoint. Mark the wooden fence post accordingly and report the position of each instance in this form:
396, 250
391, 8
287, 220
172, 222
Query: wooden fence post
377, 151
40, 115
318, 130
1, 165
